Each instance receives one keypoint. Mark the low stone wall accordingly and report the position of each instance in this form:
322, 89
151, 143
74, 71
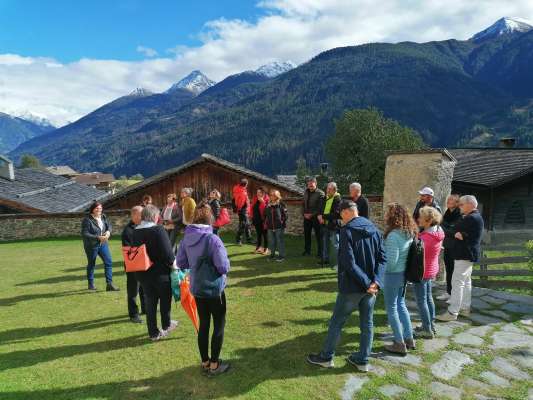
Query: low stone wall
39, 226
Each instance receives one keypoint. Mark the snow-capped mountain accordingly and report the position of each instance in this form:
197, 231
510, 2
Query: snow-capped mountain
195, 82
275, 68
503, 26
140, 92
35, 119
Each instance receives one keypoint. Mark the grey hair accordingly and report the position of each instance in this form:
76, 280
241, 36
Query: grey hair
136, 208
468, 198
355, 185
187, 190
332, 184
150, 213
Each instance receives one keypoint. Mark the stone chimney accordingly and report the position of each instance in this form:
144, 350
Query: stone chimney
507, 142
7, 171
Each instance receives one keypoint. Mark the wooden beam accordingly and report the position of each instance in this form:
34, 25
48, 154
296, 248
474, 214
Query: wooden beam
503, 272
503, 260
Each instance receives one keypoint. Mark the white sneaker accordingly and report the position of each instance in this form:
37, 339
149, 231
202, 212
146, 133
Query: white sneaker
449, 301
444, 296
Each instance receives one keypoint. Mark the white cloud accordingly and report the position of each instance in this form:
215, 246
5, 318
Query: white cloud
146, 51
290, 30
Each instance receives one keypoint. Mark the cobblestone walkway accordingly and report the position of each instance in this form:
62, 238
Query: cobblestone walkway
486, 356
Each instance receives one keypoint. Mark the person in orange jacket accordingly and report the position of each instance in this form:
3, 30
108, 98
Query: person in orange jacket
241, 205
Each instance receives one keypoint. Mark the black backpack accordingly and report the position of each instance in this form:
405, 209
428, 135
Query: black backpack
414, 269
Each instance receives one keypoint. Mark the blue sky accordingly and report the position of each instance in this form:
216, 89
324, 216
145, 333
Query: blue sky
61, 59
109, 29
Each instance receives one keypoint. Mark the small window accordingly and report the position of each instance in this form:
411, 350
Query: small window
515, 214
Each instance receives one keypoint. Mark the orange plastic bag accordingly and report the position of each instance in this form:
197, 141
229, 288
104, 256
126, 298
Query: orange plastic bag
136, 258
188, 303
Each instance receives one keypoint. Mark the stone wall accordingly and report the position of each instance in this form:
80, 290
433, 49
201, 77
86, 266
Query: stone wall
39, 226
407, 173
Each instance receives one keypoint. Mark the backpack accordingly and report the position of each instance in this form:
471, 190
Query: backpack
207, 280
414, 269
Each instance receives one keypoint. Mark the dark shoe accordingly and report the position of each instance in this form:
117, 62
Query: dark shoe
111, 288
305, 253
280, 259
317, 359
397, 348
360, 367
420, 333
136, 320
410, 344
91, 286
220, 369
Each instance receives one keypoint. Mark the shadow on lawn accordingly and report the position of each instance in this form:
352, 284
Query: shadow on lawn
251, 367
118, 270
11, 301
15, 335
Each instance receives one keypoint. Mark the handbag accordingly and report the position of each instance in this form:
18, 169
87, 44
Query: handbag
207, 280
223, 218
136, 258
414, 271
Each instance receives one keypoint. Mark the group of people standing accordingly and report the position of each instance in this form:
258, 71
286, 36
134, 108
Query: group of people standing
369, 262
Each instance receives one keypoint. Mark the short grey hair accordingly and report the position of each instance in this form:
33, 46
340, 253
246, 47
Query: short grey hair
468, 198
150, 213
332, 184
355, 185
187, 190
136, 209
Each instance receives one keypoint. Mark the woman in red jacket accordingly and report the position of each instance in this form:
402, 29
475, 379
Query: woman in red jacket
257, 215
432, 236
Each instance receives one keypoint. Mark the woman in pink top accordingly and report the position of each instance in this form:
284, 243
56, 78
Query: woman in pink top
432, 237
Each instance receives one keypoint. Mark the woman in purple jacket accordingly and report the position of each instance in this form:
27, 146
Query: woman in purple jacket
197, 236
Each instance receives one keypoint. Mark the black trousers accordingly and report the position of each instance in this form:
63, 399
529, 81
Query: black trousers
157, 291
134, 289
244, 227
448, 263
172, 235
309, 226
261, 234
216, 308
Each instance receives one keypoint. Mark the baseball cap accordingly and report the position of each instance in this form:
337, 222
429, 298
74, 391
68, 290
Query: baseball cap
427, 191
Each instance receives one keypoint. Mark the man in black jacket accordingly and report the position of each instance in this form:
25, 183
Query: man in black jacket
132, 284
466, 251
451, 217
313, 206
360, 200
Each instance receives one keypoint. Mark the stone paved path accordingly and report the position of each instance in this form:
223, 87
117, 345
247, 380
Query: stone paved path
486, 356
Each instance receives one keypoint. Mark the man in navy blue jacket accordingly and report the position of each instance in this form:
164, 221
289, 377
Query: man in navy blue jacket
361, 265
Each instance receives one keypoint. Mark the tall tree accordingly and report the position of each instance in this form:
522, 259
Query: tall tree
30, 161
358, 148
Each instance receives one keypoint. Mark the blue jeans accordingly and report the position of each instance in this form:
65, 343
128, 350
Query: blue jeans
344, 306
276, 242
101, 250
424, 300
329, 236
397, 313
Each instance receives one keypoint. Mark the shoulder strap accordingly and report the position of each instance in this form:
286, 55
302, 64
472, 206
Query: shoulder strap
206, 246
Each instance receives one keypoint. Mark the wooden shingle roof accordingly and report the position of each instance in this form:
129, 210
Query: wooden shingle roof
245, 172
39, 190
491, 167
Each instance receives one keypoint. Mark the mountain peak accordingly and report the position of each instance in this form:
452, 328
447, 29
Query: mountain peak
195, 82
503, 26
275, 68
140, 92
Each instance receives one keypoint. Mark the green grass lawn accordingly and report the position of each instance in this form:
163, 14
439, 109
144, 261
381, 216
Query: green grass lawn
58, 341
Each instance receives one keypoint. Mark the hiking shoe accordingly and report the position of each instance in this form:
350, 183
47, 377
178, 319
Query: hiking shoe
360, 367
91, 286
111, 288
173, 325
421, 333
220, 369
317, 359
136, 320
160, 335
442, 297
397, 348
410, 344
465, 312
446, 317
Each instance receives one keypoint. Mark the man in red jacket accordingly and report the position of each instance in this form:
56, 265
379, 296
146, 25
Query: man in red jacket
241, 203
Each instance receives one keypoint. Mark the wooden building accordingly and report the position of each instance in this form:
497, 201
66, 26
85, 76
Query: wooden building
502, 181
203, 174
